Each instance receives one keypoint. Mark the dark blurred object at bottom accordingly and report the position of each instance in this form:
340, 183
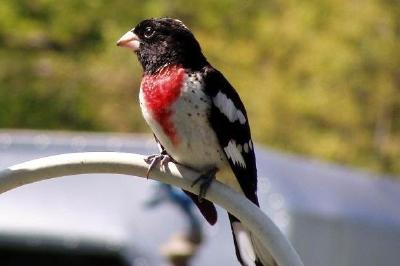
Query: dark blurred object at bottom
45, 252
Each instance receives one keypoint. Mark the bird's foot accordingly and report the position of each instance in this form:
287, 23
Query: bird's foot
153, 160
205, 181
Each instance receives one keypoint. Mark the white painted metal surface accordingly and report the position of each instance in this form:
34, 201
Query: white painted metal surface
131, 164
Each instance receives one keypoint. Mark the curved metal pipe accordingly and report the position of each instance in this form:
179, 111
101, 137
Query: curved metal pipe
133, 164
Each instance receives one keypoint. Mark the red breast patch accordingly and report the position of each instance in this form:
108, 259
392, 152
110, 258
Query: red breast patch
160, 91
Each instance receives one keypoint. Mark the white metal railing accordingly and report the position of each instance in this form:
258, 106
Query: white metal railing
132, 164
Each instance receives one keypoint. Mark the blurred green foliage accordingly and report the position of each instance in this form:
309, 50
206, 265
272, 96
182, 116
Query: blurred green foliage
320, 78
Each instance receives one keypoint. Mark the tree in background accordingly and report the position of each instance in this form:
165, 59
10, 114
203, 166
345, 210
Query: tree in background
320, 78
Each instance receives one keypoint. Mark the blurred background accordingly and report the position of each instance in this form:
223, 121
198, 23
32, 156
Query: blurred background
321, 83
319, 78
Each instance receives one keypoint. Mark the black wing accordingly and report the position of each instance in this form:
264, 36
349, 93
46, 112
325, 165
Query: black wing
228, 118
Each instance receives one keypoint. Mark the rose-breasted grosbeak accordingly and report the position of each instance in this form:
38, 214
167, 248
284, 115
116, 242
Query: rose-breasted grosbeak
197, 118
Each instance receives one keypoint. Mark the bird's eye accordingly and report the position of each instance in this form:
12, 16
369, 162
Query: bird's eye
148, 32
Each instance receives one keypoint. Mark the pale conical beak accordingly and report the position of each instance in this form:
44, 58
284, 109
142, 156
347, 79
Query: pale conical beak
129, 40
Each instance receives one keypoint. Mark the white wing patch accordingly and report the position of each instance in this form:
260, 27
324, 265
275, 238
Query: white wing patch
227, 107
233, 152
246, 147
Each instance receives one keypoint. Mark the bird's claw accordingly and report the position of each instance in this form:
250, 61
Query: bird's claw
205, 181
155, 159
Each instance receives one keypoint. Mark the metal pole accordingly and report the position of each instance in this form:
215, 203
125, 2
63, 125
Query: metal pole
132, 164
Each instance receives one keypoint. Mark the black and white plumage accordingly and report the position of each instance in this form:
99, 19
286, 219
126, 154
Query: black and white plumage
197, 117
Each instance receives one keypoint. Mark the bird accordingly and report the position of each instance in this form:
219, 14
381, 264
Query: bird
198, 120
